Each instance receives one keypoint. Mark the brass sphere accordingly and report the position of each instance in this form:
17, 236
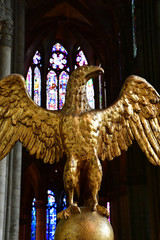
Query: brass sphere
84, 226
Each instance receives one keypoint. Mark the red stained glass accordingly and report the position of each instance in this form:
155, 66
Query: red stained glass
51, 92
37, 86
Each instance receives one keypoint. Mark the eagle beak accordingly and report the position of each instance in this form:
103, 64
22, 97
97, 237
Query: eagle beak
93, 71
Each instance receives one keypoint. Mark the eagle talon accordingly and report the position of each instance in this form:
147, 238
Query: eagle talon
102, 210
75, 208
92, 206
66, 213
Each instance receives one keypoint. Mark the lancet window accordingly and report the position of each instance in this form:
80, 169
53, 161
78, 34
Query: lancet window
51, 216
134, 28
33, 79
33, 221
64, 201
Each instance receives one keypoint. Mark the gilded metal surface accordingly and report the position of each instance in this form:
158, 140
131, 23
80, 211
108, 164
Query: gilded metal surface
85, 226
82, 134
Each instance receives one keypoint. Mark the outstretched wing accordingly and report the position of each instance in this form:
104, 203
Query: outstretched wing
135, 115
21, 119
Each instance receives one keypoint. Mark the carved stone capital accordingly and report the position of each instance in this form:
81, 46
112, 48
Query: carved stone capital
6, 33
5, 11
2, 11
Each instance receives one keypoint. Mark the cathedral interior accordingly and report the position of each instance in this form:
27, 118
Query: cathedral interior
121, 36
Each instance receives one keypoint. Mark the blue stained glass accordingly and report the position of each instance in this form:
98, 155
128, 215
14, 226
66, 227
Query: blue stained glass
63, 80
68, 69
134, 29
59, 47
51, 216
64, 202
33, 221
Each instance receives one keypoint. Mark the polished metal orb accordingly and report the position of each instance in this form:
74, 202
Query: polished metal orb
84, 226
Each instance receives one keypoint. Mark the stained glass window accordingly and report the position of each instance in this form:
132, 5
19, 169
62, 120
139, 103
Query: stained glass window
63, 79
37, 86
29, 81
80, 58
64, 202
90, 93
57, 78
33, 79
51, 213
52, 90
134, 29
81, 61
33, 221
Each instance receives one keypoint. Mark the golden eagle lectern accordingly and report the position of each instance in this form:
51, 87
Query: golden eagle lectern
84, 135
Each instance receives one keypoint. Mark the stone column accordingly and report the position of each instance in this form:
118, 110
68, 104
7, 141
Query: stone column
6, 27
13, 196
15, 163
3, 173
40, 220
6, 30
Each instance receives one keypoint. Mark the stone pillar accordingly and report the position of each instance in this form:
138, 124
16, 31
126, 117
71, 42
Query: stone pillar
15, 163
6, 27
14, 192
10, 167
6, 30
3, 173
40, 220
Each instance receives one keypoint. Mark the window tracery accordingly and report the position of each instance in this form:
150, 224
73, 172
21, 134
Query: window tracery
57, 78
